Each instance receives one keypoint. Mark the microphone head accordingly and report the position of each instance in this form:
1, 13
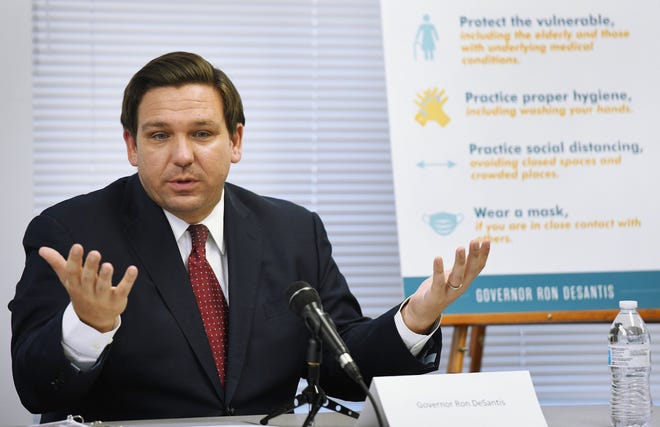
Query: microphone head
300, 294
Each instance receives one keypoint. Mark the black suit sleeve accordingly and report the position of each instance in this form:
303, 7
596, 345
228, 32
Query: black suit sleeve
43, 376
375, 344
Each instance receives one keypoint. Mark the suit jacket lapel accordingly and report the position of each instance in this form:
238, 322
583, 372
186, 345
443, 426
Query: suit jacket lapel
243, 238
160, 260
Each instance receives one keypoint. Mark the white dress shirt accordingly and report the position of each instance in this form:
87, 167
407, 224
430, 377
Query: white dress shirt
83, 344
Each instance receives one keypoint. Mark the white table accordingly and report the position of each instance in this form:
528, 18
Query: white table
556, 416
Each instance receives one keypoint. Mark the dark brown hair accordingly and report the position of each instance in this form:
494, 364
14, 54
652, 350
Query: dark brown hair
178, 69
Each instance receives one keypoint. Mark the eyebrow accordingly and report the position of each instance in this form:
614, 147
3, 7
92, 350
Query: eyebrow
209, 123
153, 125
160, 124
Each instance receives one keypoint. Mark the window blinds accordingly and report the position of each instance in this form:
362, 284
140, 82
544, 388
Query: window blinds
312, 81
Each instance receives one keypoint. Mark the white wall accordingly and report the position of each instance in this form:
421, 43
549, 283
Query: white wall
16, 178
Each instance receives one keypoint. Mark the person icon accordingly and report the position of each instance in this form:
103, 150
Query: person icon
426, 37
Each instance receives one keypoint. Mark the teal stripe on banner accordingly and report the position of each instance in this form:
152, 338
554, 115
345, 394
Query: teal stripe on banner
515, 293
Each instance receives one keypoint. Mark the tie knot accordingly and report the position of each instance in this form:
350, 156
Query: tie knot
198, 233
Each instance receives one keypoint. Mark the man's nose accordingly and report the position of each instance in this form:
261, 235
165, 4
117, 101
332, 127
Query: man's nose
183, 151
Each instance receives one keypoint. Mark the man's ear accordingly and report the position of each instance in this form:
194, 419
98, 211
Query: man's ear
131, 148
237, 144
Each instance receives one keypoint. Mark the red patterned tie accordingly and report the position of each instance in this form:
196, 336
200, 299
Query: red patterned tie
210, 299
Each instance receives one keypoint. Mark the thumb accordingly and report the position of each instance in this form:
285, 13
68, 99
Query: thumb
55, 260
438, 274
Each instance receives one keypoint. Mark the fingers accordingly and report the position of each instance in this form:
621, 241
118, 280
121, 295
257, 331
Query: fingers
104, 279
467, 267
73, 267
443, 288
438, 269
89, 285
55, 260
458, 271
438, 279
126, 284
485, 249
90, 274
478, 255
90, 270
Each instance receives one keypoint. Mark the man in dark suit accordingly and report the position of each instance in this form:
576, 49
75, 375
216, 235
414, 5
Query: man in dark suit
101, 340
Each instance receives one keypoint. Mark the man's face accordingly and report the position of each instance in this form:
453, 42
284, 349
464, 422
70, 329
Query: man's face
183, 149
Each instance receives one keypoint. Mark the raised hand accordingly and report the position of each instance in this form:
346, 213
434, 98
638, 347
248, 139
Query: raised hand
95, 300
441, 289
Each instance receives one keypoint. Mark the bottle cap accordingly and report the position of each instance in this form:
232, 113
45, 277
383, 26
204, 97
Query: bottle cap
628, 305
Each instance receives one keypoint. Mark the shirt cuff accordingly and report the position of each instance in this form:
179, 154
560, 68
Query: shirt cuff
83, 344
414, 342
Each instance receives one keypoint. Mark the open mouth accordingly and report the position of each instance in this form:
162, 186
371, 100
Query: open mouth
183, 184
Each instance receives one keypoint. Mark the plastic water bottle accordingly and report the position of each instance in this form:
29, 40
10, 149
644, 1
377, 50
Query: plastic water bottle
630, 365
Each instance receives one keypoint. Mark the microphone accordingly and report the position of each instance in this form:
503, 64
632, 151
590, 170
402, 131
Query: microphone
306, 302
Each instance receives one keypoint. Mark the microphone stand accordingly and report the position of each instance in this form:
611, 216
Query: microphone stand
312, 394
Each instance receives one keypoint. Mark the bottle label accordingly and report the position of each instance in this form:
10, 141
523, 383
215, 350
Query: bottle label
630, 356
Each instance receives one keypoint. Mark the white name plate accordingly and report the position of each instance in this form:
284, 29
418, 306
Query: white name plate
493, 399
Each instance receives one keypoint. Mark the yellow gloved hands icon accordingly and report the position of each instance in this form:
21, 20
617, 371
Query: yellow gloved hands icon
430, 103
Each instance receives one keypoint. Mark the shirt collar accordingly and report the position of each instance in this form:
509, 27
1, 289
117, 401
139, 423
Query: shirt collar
215, 222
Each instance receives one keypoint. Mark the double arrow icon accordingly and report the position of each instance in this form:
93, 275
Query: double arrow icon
422, 164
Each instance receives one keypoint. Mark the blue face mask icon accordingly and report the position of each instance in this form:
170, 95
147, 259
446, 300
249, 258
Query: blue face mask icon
443, 223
